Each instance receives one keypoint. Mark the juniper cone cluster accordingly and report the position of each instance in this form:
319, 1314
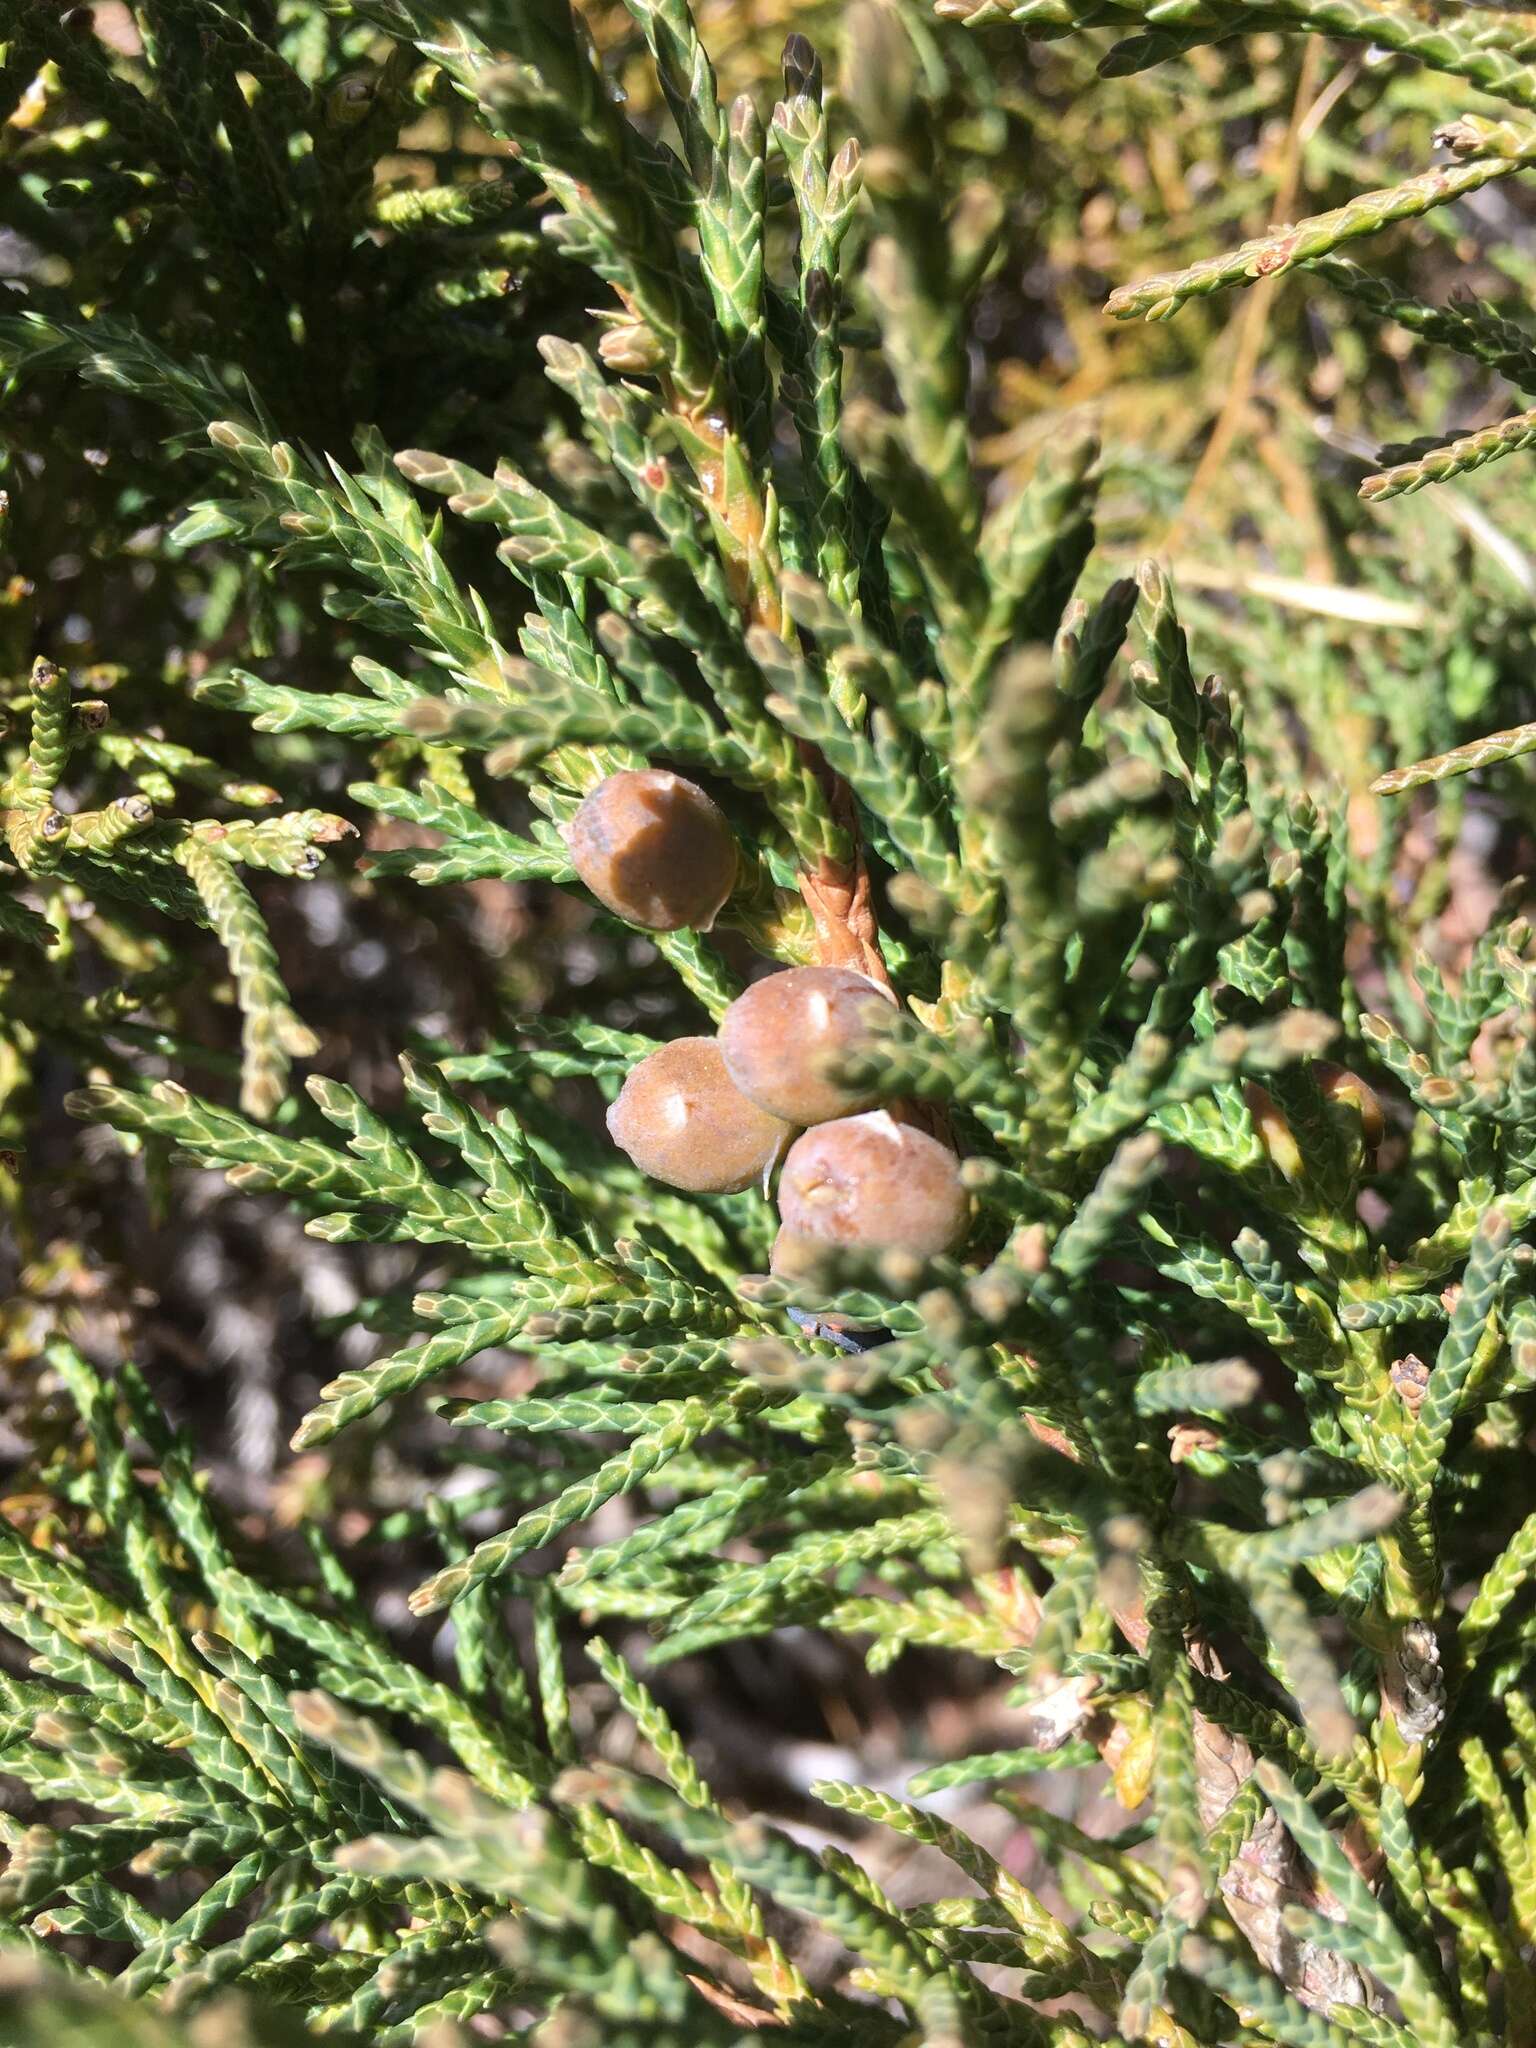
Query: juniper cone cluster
715, 1116
1125, 1091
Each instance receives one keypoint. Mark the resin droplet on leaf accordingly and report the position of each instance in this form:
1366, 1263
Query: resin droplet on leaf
873, 1184
654, 849
783, 1038
683, 1120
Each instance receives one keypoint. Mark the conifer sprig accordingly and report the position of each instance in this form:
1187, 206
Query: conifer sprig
1193, 1419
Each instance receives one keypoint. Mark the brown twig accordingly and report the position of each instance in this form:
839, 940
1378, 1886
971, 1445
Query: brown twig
837, 892
1252, 323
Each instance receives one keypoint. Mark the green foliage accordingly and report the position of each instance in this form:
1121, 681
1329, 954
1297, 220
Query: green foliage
1494, 56
1153, 1445
171, 866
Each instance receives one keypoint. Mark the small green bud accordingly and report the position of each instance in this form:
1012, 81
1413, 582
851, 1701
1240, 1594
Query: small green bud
802, 68
348, 101
631, 349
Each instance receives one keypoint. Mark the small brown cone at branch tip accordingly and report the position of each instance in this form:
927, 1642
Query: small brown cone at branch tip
682, 1120
654, 849
870, 1183
783, 1037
